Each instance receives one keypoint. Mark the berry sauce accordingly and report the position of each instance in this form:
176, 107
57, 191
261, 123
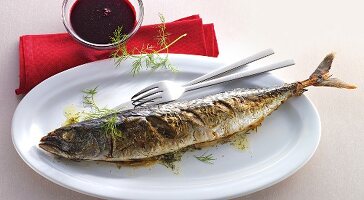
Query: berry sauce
96, 20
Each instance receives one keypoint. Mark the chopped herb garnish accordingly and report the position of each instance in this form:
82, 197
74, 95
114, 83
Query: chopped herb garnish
206, 158
169, 159
240, 141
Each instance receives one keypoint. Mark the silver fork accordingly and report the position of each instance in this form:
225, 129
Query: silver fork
167, 91
241, 63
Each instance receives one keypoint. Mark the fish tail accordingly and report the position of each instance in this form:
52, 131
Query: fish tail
321, 77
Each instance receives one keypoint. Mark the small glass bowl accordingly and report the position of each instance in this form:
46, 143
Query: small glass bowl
66, 12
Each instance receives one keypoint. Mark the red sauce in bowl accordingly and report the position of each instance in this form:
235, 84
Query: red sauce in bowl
96, 20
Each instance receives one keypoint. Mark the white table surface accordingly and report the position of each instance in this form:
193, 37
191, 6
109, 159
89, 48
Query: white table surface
302, 30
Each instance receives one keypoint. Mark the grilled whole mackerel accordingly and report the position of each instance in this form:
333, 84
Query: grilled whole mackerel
161, 129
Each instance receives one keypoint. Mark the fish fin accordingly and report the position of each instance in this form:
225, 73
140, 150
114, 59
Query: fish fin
335, 82
321, 76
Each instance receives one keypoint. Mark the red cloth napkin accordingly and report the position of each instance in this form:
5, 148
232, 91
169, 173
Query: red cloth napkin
42, 56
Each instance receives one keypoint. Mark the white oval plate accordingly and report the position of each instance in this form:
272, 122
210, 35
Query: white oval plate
284, 143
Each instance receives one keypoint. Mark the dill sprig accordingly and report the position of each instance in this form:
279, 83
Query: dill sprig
206, 158
121, 52
93, 111
110, 125
147, 56
162, 30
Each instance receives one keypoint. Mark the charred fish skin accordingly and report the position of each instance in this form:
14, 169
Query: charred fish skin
170, 127
157, 130
82, 141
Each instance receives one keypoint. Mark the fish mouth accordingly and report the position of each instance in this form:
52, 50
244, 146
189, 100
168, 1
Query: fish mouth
50, 148
51, 144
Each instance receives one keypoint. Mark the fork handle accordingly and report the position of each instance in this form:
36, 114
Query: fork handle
238, 75
232, 66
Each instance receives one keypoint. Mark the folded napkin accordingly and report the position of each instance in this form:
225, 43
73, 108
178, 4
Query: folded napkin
42, 56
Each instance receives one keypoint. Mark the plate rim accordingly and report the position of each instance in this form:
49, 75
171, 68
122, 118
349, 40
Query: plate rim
172, 56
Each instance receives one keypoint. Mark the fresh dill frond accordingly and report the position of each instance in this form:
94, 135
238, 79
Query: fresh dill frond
206, 158
88, 97
121, 52
117, 35
162, 30
97, 112
94, 111
110, 126
147, 56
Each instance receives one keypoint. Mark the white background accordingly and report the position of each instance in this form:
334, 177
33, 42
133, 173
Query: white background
302, 30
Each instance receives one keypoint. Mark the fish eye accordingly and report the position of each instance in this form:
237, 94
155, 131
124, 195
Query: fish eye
68, 136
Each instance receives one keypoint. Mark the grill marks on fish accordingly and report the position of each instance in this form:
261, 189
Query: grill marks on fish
161, 128
193, 116
227, 106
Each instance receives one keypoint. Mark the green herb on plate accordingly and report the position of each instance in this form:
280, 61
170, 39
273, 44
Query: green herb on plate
93, 111
206, 158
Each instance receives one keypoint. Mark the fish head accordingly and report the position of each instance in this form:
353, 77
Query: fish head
72, 142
